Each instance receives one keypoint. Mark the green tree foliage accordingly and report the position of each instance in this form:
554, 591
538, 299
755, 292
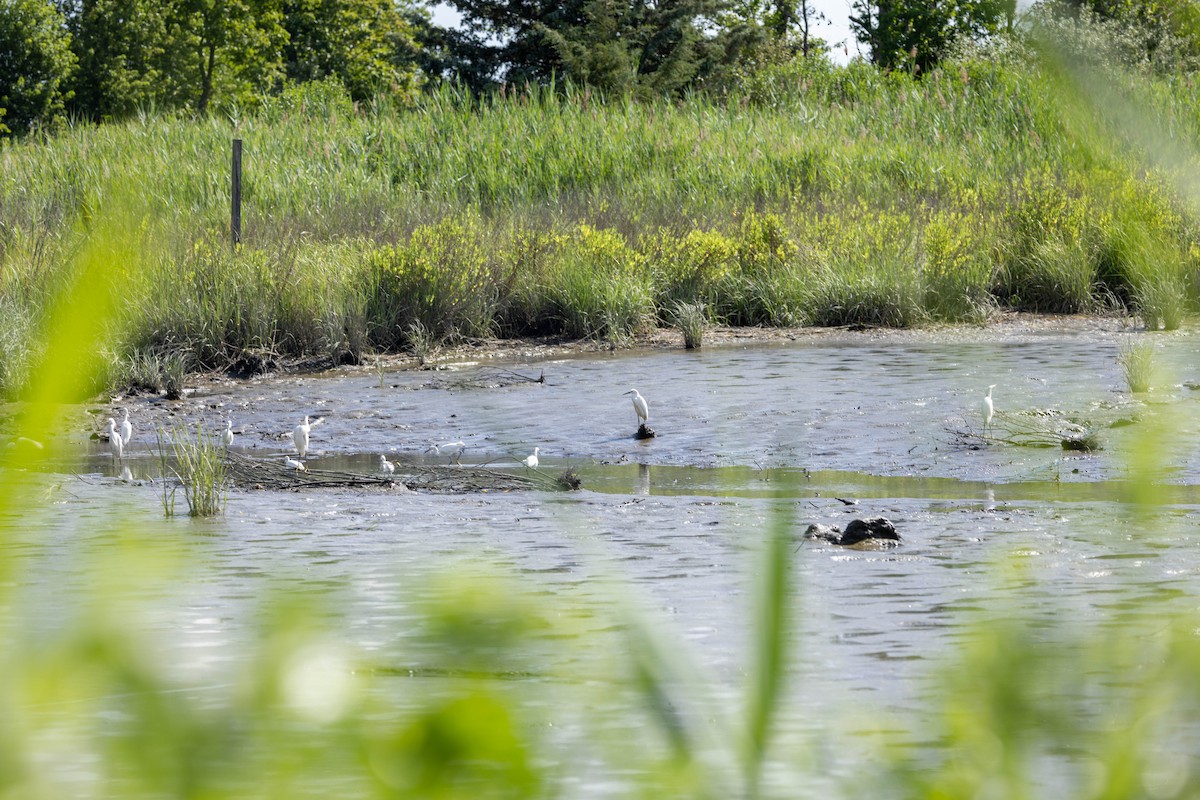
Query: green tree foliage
35, 63
915, 34
227, 50
616, 45
369, 45
197, 54
1161, 34
119, 45
173, 53
791, 22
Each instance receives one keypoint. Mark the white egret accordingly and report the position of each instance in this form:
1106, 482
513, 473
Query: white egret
640, 406
292, 463
988, 409
452, 449
385, 466
300, 434
115, 442
227, 435
126, 429
531, 461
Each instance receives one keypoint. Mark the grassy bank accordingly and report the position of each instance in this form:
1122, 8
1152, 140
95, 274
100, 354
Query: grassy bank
817, 196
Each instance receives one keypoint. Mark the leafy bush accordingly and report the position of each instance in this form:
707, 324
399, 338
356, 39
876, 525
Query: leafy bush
444, 278
600, 286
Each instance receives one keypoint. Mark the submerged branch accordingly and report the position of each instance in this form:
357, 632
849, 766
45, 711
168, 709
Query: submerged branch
1037, 428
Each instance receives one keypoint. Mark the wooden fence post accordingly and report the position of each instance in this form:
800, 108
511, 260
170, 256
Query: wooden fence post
235, 212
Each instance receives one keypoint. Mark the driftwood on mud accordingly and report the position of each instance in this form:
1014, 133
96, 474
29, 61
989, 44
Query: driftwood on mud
249, 473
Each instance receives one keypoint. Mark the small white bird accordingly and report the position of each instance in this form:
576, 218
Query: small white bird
452, 449
988, 409
126, 429
385, 466
531, 461
227, 435
640, 406
115, 442
300, 434
292, 463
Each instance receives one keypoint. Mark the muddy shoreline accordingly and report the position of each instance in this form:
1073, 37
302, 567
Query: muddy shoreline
211, 397
1007, 324
206, 394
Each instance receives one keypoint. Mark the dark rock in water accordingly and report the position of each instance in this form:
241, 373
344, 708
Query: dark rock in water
830, 533
879, 529
644, 432
870, 528
1083, 444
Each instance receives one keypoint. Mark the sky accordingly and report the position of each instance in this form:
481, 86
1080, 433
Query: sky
836, 30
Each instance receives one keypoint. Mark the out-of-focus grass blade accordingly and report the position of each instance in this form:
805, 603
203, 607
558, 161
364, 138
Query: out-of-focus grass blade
80, 316
771, 632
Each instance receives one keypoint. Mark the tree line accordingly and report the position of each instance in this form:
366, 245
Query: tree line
98, 60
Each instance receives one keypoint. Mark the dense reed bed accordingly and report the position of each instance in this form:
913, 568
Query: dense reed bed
817, 195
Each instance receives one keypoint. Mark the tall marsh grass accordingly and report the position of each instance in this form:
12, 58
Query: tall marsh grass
811, 194
1137, 363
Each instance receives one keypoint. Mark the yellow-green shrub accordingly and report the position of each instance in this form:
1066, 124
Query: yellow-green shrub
444, 277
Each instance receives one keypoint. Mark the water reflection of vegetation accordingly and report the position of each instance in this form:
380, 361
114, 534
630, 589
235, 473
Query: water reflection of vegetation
824, 486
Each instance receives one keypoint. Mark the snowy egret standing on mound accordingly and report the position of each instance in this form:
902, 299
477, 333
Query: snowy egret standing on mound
292, 463
126, 429
385, 466
531, 461
227, 436
115, 442
988, 409
640, 407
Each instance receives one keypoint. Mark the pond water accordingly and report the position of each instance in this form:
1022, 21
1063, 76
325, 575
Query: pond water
669, 529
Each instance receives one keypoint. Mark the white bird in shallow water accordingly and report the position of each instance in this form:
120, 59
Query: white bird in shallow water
531, 461
453, 450
300, 434
115, 442
292, 463
227, 434
640, 406
988, 409
126, 429
385, 466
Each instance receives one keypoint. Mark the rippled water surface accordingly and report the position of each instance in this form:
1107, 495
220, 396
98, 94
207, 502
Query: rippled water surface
671, 527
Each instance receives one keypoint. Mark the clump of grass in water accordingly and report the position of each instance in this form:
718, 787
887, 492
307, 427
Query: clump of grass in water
691, 320
1137, 359
150, 372
1160, 304
422, 341
199, 465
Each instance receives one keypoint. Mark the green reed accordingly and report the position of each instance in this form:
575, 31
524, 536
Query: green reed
1137, 362
197, 461
691, 320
